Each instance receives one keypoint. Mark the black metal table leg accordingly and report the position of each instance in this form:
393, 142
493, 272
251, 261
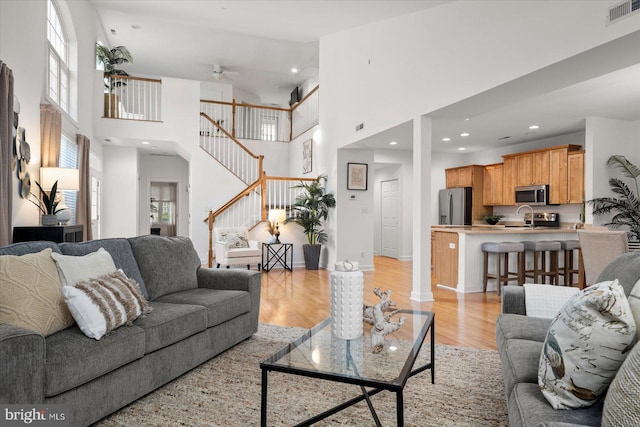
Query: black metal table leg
433, 351
400, 408
263, 400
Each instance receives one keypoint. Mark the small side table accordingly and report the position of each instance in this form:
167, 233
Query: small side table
55, 233
277, 253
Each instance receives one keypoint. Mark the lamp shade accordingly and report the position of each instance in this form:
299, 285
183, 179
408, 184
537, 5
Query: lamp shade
277, 215
68, 179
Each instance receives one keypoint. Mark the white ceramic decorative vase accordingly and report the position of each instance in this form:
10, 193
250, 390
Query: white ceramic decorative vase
346, 303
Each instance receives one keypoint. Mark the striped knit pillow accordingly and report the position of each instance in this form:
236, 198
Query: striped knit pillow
105, 303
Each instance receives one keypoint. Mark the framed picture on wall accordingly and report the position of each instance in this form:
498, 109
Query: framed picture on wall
357, 176
307, 155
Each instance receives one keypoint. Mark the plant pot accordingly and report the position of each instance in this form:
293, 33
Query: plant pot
311, 256
111, 110
49, 220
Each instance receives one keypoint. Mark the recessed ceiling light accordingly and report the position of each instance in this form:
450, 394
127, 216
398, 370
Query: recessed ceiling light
464, 134
393, 143
462, 148
135, 26
467, 119
145, 142
534, 127
446, 139
294, 70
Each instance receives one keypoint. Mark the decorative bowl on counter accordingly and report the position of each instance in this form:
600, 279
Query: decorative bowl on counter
492, 219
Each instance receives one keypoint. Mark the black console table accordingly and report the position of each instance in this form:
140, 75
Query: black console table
277, 253
55, 233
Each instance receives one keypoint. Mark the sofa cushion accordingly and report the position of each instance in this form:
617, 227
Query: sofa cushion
242, 252
74, 269
103, 304
634, 304
528, 408
72, 359
167, 264
234, 239
546, 300
519, 363
625, 268
622, 406
585, 346
510, 326
120, 251
221, 305
30, 293
170, 323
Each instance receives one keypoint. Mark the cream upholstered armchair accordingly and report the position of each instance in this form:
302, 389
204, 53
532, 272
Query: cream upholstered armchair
599, 248
233, 247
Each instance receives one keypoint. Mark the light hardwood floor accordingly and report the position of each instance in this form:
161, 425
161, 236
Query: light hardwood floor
301, 298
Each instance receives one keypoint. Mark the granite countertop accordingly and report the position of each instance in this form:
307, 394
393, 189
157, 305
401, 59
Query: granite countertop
501, 229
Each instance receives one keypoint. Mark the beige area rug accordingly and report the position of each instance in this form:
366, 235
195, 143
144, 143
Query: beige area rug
225, 391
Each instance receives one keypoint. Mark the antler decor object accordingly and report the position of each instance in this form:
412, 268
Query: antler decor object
375, 315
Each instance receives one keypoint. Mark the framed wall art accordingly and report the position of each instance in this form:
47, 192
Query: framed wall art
357, 176
307, 155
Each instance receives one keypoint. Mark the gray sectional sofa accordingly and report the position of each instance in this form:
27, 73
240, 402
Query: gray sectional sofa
196, 314
520, 338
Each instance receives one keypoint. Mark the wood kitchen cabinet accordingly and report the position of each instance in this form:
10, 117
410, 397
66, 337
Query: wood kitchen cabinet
492, 188
509, 181
446, 258
460, 177
532, 168
575, 177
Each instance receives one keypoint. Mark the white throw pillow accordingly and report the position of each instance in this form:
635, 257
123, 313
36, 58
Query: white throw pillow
74, 269
585, 345
545, 301
634, 303
234, 239
103, 304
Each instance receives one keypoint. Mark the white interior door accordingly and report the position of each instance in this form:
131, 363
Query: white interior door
389, 238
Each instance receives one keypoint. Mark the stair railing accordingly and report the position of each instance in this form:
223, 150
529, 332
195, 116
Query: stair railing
228, 151
132, 98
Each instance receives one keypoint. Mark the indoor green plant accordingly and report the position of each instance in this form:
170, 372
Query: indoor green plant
311, 208
48, 204
492, 219
624, 204
110, 58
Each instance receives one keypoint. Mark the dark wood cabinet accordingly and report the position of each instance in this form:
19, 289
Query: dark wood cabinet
56, 233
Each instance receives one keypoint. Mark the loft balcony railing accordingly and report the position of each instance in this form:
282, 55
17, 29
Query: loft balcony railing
132, 98
251, 206
248, 121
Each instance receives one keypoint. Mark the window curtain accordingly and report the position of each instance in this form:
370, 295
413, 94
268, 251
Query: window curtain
50, 134
83, 204
6, 153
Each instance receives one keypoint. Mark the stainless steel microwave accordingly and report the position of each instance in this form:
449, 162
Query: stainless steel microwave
532, 195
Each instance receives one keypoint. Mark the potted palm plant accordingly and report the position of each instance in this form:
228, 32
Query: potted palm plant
48, 204
311, 208
625, 204
110, 58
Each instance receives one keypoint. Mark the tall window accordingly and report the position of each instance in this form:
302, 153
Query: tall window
69, 159
58, 77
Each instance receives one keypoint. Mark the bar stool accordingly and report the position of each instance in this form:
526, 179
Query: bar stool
569, 269
539, 272
502, 249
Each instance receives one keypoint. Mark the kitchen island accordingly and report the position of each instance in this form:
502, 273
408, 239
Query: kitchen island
457, 254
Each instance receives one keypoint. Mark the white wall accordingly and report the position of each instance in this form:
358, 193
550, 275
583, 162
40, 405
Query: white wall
604, 138
164, 169
120, 192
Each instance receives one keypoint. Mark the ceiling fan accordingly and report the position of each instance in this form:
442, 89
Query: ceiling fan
220, 73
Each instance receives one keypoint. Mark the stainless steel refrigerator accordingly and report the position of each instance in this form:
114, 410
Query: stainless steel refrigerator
455, 206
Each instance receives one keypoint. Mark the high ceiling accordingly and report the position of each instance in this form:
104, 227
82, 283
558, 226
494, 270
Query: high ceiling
261, 41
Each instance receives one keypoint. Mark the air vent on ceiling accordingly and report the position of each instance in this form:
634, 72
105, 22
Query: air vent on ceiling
622, 10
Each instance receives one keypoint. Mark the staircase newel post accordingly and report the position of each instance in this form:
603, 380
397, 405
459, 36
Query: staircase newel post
263, 192
233, 117
290, 124
210, 239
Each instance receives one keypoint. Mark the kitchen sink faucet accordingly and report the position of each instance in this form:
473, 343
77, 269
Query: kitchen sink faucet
531, 209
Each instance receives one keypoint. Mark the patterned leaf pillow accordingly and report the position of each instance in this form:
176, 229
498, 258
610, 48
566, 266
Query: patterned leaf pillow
585, 345
105, 303
235, 239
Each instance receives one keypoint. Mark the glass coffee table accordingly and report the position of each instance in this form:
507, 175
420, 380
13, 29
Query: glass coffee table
318, 354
